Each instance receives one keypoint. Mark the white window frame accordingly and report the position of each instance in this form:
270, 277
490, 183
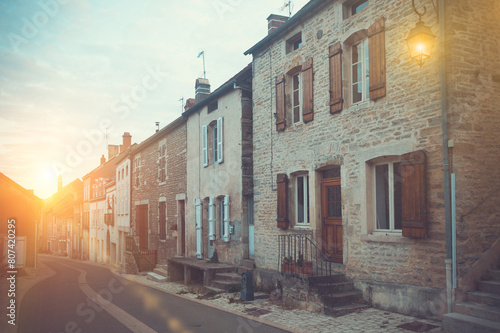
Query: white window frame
305, 198
299, 89
390, 171
364, 61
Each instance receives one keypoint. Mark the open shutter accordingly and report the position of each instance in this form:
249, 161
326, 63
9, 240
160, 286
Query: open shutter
376, 46
307, 91
280, 103
204, 145
211, 218
226, 219
282, 213
413, 201
335, 56
220, 137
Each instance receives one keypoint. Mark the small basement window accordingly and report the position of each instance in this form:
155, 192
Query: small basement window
353, 7
212, 106
294, 43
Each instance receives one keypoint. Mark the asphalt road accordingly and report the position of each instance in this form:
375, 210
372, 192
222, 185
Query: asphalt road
86, 298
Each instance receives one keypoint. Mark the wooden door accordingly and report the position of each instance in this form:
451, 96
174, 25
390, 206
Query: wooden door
142, 225
331, 207
182, 227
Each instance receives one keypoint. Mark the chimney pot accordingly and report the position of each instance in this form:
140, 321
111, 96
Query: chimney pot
202, 89
103, 159
189, 104
274, 21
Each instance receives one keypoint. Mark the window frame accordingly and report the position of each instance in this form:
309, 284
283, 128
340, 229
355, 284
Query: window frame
390, 163
297, 89
294, 43
305, 199
364, 61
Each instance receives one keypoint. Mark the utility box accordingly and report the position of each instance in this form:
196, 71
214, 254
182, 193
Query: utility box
246, 287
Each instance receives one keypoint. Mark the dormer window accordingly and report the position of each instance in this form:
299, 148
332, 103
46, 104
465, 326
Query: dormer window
294, 43
353, 7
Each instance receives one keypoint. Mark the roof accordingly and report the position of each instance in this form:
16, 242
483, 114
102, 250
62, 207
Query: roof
153, 138
18, 187
310, 8
229, 85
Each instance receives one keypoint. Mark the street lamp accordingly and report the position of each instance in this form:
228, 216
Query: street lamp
420, 39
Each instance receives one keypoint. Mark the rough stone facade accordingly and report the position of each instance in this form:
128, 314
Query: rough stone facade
151, 190
406, 119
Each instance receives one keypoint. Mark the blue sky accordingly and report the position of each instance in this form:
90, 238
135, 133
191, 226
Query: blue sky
71, 70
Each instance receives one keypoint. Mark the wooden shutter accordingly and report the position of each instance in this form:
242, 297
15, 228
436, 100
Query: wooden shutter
280, 103
376, 47
335, 55
219, 140
282, 213
204, 145
413, 201
307, 91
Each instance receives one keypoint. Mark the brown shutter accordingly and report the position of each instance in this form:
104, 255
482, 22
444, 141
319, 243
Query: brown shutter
282, 213
376, 46
307, 91
335, 55
280, 103
413, 201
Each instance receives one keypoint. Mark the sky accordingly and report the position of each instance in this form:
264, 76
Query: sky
76, 74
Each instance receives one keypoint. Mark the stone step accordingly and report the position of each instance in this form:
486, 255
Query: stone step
328, 289
225, 285
342, 298
494, 274
484, 298
156, 277
325, 280
478, 310
489, 286
161, 271
460, 323
228, 277
345, 309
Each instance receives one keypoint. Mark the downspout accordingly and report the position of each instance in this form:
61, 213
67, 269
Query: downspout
446, 165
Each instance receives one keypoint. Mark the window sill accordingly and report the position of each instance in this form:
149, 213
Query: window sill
386, 238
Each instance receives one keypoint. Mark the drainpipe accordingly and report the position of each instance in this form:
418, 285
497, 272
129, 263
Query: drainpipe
446, 165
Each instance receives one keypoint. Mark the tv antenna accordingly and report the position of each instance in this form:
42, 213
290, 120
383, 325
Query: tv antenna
182, 103
202, 53
288, 4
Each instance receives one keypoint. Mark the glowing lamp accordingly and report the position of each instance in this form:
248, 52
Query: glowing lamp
420, 42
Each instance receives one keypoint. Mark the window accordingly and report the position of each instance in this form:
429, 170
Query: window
294, 43
302, 199
297, 98
212, 106
387, 187
352, 7
162, 162
220, 207
360, 72
162, 207
212, 140
137, 167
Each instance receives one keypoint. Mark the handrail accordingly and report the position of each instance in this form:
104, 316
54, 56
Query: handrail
300, 256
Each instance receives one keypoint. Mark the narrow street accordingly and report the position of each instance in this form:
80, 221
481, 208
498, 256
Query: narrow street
86, 298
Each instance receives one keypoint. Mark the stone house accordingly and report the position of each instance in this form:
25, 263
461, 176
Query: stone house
219, 170
348, 136
24, 207
158, 187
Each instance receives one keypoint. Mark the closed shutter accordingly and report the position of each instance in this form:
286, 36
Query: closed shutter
280, 103
198, 221
211, 218
413, 201
376, 46
282, 209
226, 219
220, 137
163, 220
307, 91
335, 56
204, 145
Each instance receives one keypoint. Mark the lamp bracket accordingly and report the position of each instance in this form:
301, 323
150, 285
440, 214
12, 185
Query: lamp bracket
422, 13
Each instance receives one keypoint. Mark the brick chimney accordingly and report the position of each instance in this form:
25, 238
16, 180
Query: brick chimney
113, 150
103, 159
201, 89
274, 21
189, 104
127, 140
59, 183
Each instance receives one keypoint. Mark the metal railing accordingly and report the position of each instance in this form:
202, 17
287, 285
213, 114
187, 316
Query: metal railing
299, 256
145, 259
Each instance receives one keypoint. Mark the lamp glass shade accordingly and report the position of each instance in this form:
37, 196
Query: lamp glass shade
420, 42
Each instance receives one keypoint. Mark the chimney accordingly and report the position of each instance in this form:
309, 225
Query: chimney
189, 104
157, 126
202, 90
113, 150
103, 159
127, 140
274, 21
59, 183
